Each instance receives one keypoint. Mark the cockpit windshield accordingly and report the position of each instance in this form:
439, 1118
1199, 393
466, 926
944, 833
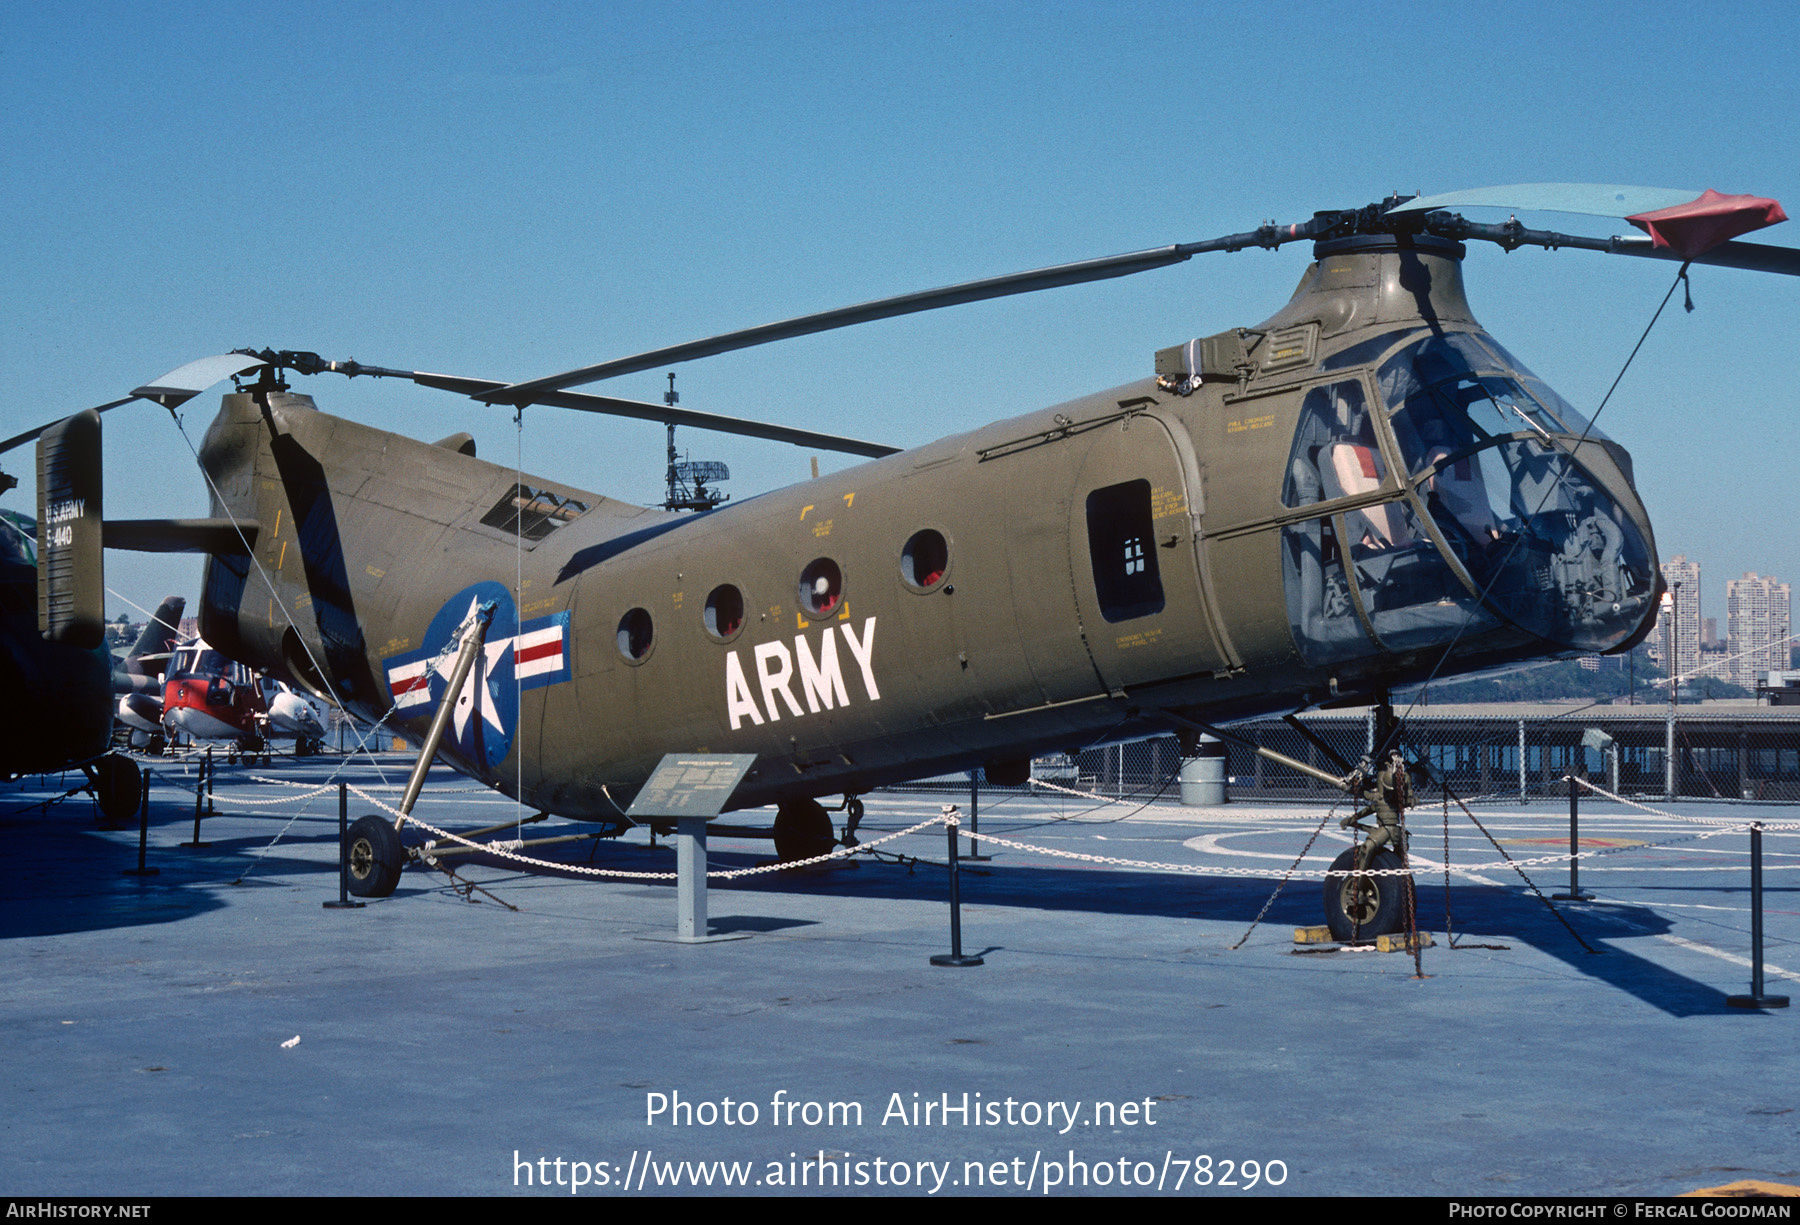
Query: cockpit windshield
1492, 458
1487, 450
1465, 412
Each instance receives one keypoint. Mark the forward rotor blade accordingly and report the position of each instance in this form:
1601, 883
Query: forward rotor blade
668, 414
174, 388
1752, 256
1590, 199
884, 308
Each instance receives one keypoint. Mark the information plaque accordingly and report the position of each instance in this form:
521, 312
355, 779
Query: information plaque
691, 788
690, 785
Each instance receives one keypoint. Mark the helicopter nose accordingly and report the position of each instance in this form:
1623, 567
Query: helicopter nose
1569, 555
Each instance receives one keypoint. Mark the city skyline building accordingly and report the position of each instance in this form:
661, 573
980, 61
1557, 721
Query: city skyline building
1758, 624
1680, 644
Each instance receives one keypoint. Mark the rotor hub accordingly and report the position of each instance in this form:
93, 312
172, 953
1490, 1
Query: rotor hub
1389, 244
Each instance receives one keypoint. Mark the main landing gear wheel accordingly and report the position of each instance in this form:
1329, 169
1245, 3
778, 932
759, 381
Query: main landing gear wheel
376, 857
118, 787
1364, 907
802, 831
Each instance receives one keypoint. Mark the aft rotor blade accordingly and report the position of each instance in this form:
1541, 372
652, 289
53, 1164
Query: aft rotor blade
666, 413
172, 389
219, 537
1077, 273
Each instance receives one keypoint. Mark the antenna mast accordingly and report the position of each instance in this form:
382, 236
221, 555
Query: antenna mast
688, 478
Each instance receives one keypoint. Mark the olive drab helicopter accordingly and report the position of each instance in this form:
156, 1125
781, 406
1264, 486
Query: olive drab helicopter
1363, 491
57, 679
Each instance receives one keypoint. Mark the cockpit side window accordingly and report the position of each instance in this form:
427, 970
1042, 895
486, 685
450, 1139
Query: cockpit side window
1335, 454
1326, 627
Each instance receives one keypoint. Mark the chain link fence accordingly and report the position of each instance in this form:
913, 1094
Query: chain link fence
1498, 752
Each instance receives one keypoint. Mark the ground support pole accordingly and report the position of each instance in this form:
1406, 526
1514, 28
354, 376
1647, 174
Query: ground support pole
1670, 776
955, 956
210, 769
143, 832
1522, 795
1756, 998
1574, 894
199, 795
473, 640
690, 878
343, 898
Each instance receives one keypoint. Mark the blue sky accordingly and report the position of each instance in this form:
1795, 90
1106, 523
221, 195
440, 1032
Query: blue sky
508, 190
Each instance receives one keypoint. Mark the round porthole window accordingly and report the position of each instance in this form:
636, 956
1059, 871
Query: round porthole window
821, 587
724, 612
636, 634
925, 559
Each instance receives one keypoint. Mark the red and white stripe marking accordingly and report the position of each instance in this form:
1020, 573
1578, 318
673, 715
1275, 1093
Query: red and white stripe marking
535, 654
538, 652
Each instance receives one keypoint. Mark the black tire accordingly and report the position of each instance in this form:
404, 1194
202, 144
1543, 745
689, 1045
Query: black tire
375, 857
802, 831
1364, 907
118, 788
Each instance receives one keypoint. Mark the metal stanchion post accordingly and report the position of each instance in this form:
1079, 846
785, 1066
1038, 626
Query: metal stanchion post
210, 769
955, 956
143, 832
1756, 998
1574, 894
343, 898
974, 809
199, 795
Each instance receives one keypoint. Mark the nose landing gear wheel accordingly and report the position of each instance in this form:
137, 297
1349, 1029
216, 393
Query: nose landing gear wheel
375, 856
1362, 907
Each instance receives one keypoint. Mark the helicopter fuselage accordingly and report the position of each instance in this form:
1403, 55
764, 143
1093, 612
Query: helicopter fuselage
1364, 491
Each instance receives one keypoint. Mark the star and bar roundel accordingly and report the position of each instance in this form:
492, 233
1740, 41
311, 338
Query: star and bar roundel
514, 658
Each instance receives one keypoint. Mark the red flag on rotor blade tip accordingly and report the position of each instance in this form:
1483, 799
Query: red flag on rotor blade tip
1700, 225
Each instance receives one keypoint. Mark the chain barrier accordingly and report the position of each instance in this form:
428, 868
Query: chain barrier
1286, 876
1726, 824
509, 850
285, 782
1187, 869
1150, 805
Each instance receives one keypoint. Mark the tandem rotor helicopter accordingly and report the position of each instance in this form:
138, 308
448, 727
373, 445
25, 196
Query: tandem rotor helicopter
1363, 491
